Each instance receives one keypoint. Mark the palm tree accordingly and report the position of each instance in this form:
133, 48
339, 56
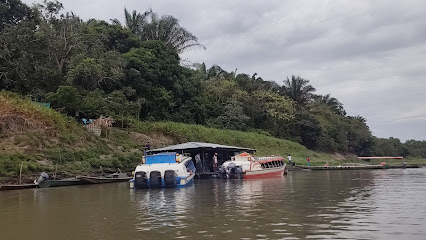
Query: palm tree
136, 21
331, 103
298, 89
360, 118
168, 30
165, 29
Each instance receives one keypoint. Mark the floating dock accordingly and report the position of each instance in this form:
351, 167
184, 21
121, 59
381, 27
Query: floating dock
356, 167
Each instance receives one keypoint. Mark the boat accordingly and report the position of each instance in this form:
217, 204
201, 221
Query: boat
18, 186
111, 178
61, 182
41, 180
164, 170
245, 166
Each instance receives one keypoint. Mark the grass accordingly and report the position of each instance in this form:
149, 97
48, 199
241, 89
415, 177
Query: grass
14, 107
43, 139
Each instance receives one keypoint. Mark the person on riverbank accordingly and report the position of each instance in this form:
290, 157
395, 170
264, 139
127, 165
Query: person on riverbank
309, 161
289, 159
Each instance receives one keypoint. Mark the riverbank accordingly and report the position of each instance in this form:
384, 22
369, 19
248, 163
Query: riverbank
42, 139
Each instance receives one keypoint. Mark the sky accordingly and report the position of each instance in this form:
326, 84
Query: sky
370, 55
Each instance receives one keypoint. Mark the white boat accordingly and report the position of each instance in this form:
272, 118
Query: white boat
164, 170
245, 165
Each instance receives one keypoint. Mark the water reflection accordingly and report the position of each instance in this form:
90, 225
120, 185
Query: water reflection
371, 204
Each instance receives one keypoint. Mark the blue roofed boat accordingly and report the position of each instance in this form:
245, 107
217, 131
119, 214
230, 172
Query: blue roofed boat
164, 170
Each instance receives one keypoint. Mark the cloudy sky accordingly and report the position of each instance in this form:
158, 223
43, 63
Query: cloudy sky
370, 55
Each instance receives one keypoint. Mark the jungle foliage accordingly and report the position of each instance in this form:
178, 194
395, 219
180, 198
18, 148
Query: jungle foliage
92, 68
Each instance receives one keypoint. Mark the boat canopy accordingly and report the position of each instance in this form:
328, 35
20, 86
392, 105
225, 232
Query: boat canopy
199, 145
168, 157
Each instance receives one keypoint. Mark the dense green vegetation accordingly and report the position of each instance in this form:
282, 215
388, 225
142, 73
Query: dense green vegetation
43, 139
133, 71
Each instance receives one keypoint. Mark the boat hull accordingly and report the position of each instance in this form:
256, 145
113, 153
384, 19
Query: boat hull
264, 173
65, 182
98, 180
180, 182
17, 187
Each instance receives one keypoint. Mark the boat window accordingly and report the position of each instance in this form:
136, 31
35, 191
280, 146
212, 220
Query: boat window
190, 167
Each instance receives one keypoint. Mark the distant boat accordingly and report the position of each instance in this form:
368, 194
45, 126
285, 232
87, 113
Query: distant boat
164, 170
245, 166
115, 177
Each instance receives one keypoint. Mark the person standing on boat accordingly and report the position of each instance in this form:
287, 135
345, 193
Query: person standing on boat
289, 159
215, 162
309, 161
146, 148
198, 164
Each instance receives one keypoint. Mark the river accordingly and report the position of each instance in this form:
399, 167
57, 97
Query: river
351, 204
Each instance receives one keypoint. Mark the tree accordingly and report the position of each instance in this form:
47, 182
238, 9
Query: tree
25, 64
268, 110
331, 103
360, 118
12, 12
104, 72
234, 116
135, 21
167, 29
298, 89
67, 97
63, 33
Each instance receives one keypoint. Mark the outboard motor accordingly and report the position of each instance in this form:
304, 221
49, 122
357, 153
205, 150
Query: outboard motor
42, 180
170, 178
141, 180
234, 171
155, 179
239, 172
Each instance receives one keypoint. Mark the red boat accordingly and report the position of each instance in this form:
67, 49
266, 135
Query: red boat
246, 166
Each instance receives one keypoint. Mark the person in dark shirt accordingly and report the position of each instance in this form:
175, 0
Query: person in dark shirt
146, 148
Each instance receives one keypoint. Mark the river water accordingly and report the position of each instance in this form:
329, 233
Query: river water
351, 204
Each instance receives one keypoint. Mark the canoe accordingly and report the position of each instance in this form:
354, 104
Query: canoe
61, 182
17, 186
116, 177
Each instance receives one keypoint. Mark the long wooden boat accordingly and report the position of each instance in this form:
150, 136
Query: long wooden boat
62, 182
246, 166
116, 177
18, 186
